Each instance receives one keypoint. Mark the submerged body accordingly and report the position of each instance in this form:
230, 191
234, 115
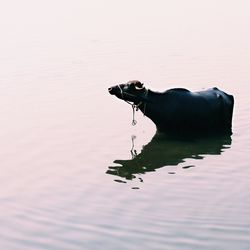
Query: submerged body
180, 110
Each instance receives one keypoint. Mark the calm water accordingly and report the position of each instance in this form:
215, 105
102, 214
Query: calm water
74, 173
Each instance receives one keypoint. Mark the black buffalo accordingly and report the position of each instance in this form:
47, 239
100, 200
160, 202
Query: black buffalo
179, 110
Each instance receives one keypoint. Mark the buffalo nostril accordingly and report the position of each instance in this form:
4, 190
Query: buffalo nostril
109, 89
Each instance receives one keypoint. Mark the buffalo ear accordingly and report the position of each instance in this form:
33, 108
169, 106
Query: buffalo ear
139, 85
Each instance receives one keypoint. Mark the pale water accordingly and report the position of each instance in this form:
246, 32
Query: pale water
74, 173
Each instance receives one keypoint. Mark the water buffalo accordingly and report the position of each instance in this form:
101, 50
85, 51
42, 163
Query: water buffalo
178, 110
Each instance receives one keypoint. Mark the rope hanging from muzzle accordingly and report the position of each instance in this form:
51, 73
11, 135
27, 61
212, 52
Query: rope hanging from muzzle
133, 120
134, 106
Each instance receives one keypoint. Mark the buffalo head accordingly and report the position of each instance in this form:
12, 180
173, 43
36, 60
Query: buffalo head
132, 91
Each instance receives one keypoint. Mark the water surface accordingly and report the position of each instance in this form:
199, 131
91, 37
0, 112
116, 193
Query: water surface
74, 173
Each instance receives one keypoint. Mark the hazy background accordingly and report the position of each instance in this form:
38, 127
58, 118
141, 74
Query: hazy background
61, 130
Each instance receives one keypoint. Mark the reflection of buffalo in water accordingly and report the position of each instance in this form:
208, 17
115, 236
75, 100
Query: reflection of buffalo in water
162, 151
